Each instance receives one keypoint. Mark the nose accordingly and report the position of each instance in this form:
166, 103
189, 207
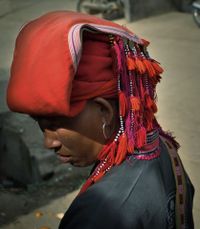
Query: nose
50, 139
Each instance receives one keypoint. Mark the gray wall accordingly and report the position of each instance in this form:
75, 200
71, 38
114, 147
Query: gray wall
10, 6
136, 9
4, 7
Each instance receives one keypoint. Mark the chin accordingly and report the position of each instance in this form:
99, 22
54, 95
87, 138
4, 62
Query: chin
81, 163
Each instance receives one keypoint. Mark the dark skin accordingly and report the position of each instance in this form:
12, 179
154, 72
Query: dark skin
78, 140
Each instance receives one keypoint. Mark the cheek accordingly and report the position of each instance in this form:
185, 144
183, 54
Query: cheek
81, 148
92, 129
69, 139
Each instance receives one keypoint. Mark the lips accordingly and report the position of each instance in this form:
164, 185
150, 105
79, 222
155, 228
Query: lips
63, 157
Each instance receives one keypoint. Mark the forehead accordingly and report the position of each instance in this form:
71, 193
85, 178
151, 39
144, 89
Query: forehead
51, 119
59, 120
66, 121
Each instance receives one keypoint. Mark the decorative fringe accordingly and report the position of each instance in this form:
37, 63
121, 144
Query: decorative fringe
87, 184
99, 176
149, 120
148, 101
131, 64
154, 107
140, 65
118, 54
150, 69
135, 103
150, 104
122, 149
122, 103
158, 78
157, 67
137, 76
129, 126
168, 135
130, 146
149, 126
142, 91
105, 151
140, 137
154, 80
112, 153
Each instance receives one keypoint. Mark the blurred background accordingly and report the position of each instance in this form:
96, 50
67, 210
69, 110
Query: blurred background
35, 189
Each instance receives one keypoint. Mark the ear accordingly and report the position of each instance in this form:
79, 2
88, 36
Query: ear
106, 110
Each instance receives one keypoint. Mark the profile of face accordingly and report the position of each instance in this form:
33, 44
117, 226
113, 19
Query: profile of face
78, 140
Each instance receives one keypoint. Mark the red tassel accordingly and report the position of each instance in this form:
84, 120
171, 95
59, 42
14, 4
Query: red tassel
149, 116
154, 107
142, 92
157, 67
158, 78
130, 146
140, 66
122, 104
150, 69
148, 101
122, 149
111, 156
135, 103
149, 126
99, 176
104, 152
141, 137
130, 64
87, 184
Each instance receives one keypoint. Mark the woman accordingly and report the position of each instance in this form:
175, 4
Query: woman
90, 84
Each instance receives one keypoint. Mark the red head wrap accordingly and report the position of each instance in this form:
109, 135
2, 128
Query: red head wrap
45, 62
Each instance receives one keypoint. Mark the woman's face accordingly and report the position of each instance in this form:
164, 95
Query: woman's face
76, 140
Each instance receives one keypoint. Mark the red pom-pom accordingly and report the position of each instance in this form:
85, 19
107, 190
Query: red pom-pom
140, 66
130, 64
135, 103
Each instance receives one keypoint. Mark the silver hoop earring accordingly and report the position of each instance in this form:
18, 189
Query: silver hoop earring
104, 131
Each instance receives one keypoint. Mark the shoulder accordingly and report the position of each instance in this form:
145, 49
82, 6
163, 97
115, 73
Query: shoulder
101, 205
126, 196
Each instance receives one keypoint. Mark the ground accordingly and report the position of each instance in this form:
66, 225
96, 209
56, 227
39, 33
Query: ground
175, 43
33, 197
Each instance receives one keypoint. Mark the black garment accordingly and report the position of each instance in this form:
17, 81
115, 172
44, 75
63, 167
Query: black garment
137, 194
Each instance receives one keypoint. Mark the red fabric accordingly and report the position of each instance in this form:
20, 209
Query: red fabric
42, 71
95, 75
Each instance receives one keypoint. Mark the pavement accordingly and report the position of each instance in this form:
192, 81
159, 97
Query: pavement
175, 42
46, 217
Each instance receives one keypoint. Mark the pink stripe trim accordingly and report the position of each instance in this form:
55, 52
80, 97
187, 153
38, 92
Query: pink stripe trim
74, 38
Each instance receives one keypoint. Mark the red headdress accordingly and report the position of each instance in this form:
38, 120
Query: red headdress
50, 76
